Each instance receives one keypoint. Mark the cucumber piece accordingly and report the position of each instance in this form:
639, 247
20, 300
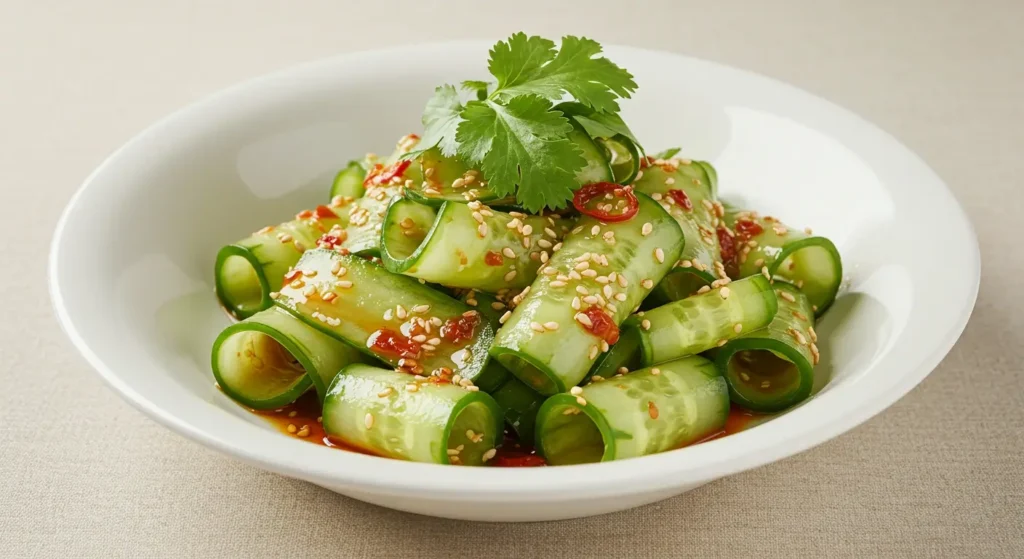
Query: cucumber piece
698, 323
362, 304
623, 157
519, 401
349, 181
636, 414
362, 235
392, 414
597, 168
771, 369
271, 358
812, 263
449, 179
551, 361
246, 272
500, 251
683, 188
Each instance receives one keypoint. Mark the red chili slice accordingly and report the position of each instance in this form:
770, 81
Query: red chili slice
598, 190
681, 199
332, 241
383, 175
389, 341
746, 229
493, 258
461, 328
602, 325
323, 212
517, 459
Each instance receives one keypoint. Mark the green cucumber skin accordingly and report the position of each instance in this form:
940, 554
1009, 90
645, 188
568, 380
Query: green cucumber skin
777, 337
625, 353
349, 181
455, 249
818, 269
270, 257
405, 425
680, 283
520, 403
699, 223
320, 355
624, 172
358, 311
698, 323
552, 361
688, 396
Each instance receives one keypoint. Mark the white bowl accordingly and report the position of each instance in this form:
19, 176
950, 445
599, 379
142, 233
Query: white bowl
131, 262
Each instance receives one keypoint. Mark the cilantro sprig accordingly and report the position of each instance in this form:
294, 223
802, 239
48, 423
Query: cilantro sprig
512, 129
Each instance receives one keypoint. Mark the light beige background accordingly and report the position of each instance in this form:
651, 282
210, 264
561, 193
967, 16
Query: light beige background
81, 474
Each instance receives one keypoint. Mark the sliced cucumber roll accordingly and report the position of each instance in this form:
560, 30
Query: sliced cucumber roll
467, 245
644, 412
449, 179
623, 157
348, 183
246, 272
698, 323
771, 369
392, 317
684, 189
271, 358
394, 414
623, 357
810, 262
572, 312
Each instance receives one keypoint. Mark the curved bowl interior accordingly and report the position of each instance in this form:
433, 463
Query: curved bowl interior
131, 261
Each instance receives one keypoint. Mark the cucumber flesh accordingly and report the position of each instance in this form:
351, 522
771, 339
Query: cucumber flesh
810, 262
623, 157
246, 272
772, 369
553, 360
467, 245
362, 304
644, 412
349, 181
271, 358
701, 322
378, 410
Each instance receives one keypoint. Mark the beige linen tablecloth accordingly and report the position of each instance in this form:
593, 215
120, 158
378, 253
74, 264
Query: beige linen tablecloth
941, 473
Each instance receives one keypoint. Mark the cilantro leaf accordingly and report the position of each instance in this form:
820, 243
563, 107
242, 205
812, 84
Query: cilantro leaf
477, 87
522, 147
667, 154
529, 65
598, 124
441, 120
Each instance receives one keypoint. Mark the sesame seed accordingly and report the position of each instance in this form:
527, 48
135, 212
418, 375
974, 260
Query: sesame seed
292, 428
595, 230
576, 303
581, 401
304, 431
759, 262
655, 371
571, 411
453, 452
509, 276
573, 274
647, 283
388, 314
593, 352
722, 342
593, 274
508, 252
527, 229
551, 325
808, 230
724, 292
490, 454
274, 294
584, 320
764, 272
576, 391
550, 233
621, 280
557, 283
368, 421
786, 295
412, 387
536, 327
481, 230
646, 229
645, 324
581, 266
343, 284
659, 255
812, 333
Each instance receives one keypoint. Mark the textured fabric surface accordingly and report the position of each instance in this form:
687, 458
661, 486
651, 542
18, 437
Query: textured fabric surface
940, 474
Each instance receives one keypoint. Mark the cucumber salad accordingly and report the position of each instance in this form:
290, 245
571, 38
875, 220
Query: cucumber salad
522, 283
